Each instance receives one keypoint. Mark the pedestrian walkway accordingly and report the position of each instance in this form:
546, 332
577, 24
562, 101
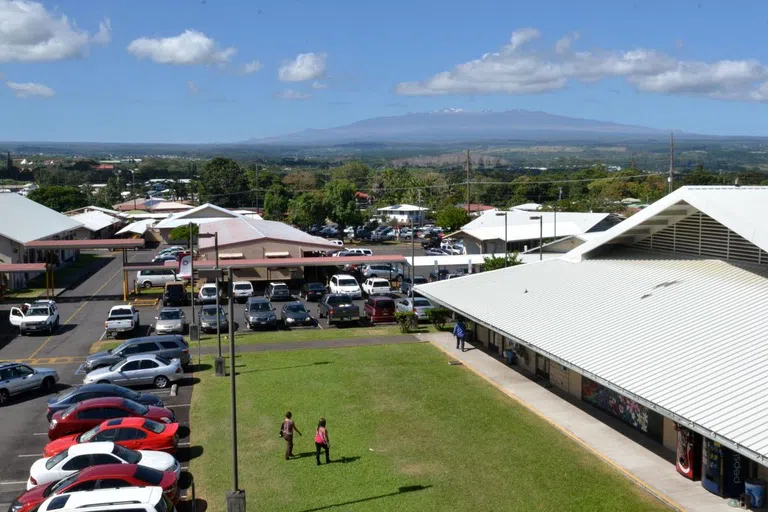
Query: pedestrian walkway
648, 469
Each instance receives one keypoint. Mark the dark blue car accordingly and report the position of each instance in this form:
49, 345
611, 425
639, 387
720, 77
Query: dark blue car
77, 394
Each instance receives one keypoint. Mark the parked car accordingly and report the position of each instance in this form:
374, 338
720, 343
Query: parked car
376, 286
328, 231
155, 277
381, 270
430, 242
379, 309
362, 234
207, 293
277, 291
87, 414
434, 251
136, 433
140, 370
383, 235
345, 284
208, 319
418, 305
360, 251
295, 314
106, 476
338, 307
405, 283
78, 394
81, 456
173, 248
171, 321
40, 316
169, 346
17, 378
312, 291
440, 275
175, 294
129, 499
336, 241
122, 319
241, 290
162, 258
259, 313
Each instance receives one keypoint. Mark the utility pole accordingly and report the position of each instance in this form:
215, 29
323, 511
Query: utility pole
192, 274
559, 198
671, 177
469, 169
413, 244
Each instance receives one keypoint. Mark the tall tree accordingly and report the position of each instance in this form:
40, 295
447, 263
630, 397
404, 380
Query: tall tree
276, 203
301, 181
356, 172
452, 218
61, 199
307, 209
222, 182
342, 207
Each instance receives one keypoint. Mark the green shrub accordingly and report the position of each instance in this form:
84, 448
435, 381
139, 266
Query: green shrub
407, 321
438, 317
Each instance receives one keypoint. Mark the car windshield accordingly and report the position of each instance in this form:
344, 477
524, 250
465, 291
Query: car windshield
170, 315
347, 282
129, 456
208, 291
154, 426
242, 287
421, 302
61, 484
316, 286
37, 311
212, 312
380, 282
280, 288
53, 461
148, 475
296, 308
260, 306
135, 408
117, 365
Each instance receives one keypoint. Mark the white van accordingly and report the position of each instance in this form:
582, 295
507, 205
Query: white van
133, 499
155, 277
346, 284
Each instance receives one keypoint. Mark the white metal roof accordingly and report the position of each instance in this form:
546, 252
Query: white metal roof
95, 220
24, 220
530, 207
685, 336
245, 229
212, 213
397, 208
474, 259
139, 227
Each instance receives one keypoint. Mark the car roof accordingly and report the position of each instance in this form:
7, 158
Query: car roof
257, 299
131, 421
152, 337
100, 402
96, 386
277, 283
209, 285
108, 470
8, 365
344, 275
89, 448
104, 498
242, 282
171, 309
141, 357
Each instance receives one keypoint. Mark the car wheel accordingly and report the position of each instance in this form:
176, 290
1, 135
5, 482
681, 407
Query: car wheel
47, 384
146, 284
4, 396
161, 381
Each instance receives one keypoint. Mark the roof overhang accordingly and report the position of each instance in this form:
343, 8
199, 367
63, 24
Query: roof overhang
13, 268
108, 243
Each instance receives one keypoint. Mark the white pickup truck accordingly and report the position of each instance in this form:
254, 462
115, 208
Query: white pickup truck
122, 319
40, 316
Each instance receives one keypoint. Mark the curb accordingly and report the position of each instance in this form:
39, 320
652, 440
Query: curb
650, 489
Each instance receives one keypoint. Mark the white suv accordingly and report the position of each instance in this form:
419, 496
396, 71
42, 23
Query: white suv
346, 284
376, 286
241, 290
133, 499
40, 316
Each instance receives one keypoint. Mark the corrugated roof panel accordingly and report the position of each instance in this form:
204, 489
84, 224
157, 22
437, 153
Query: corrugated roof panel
31, 220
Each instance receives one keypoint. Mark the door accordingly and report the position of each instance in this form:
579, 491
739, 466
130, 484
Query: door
16, 317
542, 366
8, 381
148, 371
127, 373
25, 377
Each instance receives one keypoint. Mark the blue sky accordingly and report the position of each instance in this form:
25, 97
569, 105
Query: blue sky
173, 70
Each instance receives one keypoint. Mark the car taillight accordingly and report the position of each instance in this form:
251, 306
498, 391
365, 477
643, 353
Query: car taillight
32, 481
414, 310
331, 311
179, 370
105, 324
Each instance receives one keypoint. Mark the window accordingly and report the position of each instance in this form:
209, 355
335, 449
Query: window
148, 364
131, 349
83, 486
148, 475
347, 282
98, 459
154, 426
88, 436
169, 345
61, 484
170, 315
130, 434
77, 463
105, 435
112, 483
147, 346
129, 456
421, 303
53, 461
135, 408
23, 371
113, 412
130, 366
6, 374
163, 360
58, 502
147, 273
91, 414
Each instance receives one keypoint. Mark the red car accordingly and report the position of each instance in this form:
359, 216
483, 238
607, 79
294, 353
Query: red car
99, 477
136, 433
89, 413
379, 309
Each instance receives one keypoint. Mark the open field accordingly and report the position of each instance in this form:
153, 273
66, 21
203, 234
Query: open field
407, 430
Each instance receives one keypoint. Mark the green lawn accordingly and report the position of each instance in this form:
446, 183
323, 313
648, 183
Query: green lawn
408, 433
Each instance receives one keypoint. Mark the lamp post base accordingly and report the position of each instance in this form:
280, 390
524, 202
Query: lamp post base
236, 501
220, 367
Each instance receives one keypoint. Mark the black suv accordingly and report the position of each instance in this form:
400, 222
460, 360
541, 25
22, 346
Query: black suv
175, 294
278, 291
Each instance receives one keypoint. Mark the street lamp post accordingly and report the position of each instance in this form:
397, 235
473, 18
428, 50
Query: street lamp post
506, 239
235, 497
540, 218
133, 188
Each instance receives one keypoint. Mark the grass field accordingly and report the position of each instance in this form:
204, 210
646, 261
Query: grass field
408, 433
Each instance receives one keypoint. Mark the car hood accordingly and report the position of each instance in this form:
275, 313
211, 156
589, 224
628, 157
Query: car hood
59, 445
104, 354
49, 371
37, 318
260, 314
297, 315
160, 461
96, 374
34, 496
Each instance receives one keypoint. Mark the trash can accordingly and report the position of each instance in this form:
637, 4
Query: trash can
509, 356
194, 332
755, 489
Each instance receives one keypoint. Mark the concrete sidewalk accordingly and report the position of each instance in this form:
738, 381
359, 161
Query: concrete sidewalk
646, 468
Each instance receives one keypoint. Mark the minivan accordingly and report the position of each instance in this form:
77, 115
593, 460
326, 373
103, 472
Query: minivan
155, 277
379, 309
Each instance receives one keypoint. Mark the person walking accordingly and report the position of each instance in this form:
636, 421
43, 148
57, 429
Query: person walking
460, 332
321, 442
286, 432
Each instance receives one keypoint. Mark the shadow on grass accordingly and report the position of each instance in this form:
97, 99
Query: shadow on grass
283, 367
199, 367
183, 431
345, 460
187, 453
399, 491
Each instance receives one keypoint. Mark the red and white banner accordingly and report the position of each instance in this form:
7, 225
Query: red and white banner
185, 268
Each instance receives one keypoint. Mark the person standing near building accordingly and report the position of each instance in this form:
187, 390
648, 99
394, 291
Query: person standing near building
286, 431
459, 330
321, 442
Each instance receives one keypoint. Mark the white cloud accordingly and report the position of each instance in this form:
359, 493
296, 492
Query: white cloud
250, 67
306, 66
188, 48
319, 85
30, 33
518, 69
192, 87
104, 35
290, 94
30, 90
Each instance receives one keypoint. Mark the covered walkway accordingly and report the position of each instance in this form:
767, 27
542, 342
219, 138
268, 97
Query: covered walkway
645, 467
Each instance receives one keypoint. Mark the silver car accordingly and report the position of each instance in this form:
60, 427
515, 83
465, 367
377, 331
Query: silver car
418, 305
171, 321
16, 378
139, 370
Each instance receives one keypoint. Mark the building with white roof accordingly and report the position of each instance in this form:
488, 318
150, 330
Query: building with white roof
659, 321
199, 215
403, 213
96, 224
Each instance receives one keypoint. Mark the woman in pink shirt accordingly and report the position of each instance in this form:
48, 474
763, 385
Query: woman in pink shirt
321, 442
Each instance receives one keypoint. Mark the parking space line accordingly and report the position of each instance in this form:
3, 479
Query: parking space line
29, 455
19, 482
40, 434
180, 405
183, 444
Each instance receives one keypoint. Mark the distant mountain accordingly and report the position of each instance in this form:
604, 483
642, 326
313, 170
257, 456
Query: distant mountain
455, 125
